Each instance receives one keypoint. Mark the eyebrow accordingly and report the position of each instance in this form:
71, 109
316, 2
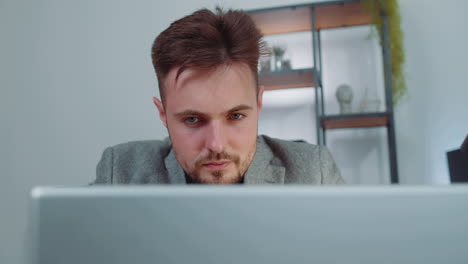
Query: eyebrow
190, 112
239, 108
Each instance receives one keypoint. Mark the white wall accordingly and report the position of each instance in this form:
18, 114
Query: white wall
434, 117
75, 76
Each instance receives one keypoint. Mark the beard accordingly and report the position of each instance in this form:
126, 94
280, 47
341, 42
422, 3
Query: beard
233, 174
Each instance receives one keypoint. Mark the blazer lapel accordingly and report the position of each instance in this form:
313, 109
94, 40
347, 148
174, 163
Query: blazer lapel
264, 169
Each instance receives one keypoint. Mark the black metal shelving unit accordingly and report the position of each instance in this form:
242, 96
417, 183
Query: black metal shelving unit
316, 17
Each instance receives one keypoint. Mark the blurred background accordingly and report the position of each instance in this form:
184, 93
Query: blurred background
76, 77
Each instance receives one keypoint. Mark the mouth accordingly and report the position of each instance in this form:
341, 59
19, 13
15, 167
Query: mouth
217, 165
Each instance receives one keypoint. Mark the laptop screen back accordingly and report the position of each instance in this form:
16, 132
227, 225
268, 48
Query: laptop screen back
240, 224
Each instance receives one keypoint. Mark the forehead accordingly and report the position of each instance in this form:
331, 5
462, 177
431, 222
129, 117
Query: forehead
200, 88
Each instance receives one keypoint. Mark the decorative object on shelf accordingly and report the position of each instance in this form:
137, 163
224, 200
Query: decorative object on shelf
278, 53
396, 41
264, 64
279, 63
286, 65
344, 95
368, 104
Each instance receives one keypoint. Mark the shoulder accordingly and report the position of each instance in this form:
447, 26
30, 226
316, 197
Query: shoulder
304, 162
135, 161
142, 148
285, 149
141, 154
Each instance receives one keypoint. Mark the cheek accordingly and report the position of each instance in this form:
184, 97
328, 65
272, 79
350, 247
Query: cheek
243, 136
185, 142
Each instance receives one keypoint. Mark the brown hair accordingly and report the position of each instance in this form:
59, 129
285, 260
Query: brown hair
206, 39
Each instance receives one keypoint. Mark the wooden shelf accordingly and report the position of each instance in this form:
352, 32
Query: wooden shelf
297, 19
342, 15
280, 21
355, 120
287, 79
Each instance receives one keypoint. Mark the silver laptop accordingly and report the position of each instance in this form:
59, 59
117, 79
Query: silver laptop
241, 224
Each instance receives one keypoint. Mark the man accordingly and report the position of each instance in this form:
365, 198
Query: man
206, 64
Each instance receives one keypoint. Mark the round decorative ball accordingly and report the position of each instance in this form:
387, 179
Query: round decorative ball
344, 93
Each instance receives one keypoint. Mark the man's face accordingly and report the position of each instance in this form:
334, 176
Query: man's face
212, 119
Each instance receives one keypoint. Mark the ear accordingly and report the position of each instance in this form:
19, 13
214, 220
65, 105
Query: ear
162, 112
260, 97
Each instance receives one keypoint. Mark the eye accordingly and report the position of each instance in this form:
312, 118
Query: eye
191, 120
236, 116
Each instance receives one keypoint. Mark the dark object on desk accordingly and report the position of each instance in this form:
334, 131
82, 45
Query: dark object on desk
464, 146
458, 163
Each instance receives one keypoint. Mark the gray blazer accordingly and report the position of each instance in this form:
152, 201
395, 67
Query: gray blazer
276, 162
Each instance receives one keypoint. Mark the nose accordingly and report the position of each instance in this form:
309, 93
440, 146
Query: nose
215, 137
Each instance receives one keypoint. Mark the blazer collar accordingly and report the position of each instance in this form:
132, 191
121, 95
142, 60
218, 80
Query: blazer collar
264, 169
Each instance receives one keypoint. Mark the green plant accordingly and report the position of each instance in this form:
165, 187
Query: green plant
395, 40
